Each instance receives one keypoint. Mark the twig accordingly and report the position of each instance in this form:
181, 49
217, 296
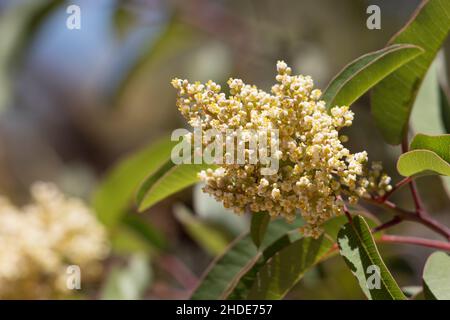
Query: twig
416, 241
394, 221
425, 220
435, 244
416, 197
346, 211
398, 186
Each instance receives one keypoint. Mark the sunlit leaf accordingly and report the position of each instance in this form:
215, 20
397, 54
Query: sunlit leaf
115, 193
426, 111
436, 276
439, 144
167, 180
422, 162
393, 97
366, 71
359, 250
428, 155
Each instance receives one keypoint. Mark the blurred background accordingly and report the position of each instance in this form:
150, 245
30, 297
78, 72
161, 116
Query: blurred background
74, 102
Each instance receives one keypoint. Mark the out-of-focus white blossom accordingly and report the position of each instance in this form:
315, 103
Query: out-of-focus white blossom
39, 241
316, 170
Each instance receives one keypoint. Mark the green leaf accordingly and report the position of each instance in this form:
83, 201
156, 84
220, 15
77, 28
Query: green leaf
358, 248
256, 284
365, 72
167, 180
115, 193
145, 231
210, 239
129, 282
258, 227
438, 144
431, 111
422, 162
245, 283
426, 111
393, 97
287, 267
436, 277
224, 272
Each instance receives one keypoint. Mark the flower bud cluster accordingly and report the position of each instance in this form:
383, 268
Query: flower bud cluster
316, 170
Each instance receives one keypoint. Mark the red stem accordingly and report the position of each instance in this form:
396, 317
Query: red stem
416, 241
398, 186
394, 221
435, 244
403, 214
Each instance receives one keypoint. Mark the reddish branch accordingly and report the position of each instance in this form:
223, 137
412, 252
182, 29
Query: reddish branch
435, 244
416, 241
420, 215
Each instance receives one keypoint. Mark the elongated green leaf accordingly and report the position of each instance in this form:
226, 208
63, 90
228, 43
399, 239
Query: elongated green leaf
366, 71
287, 266
438, 144
210, 239
224, 272
358, 248
256, 281
394, 97
426, 111
436, 277
167, 180
422, 162
431, 111
145, 231
258, 228
115, 193
245, 283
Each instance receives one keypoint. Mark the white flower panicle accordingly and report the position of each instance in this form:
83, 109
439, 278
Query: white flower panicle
38, 243
316, 170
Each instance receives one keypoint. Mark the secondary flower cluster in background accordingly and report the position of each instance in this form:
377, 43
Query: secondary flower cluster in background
39, 241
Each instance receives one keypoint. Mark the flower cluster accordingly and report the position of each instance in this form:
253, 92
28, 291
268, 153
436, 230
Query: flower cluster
316, 171
39, 242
